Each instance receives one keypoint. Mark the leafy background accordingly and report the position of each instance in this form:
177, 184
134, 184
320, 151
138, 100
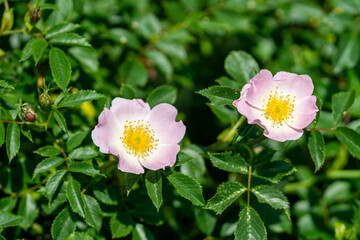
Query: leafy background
55, 183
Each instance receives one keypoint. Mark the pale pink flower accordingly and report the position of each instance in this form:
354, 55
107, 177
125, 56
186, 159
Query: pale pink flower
282, 105
139, 136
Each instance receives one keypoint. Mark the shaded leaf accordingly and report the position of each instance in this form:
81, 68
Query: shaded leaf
341, 102
12, 140
5, 84
162, 94
60, 67
2, 134
60, 120
79, 98
75, 198
48, 151
75, 139
219, 95
250, 226
61, 28
274, 171
161, 62
9, 219
121, 225
229, 162
153, 182
93, 215
27, 51
348, 52
64, 224
133, 72
241, 66
38, 48
316, 147
46, 164
85, 168
70, 39
53, 182
28, 210
350, 138
105, 194
83, 153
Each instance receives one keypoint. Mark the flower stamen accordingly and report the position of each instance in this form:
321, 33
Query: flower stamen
139, 138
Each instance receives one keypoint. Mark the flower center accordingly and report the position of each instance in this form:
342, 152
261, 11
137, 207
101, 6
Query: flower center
278, 107
138, 138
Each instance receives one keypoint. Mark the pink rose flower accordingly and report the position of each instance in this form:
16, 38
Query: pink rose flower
139, 136
282, 105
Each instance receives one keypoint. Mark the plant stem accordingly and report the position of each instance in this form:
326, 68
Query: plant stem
232, 131
65, 157
248, 186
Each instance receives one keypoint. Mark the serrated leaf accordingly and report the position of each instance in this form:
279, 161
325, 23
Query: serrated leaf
2, 134
161, 62
350, 138
70, 39
61, 28
75, 140
274, 171
153, 182
48, 151
9, 219
46, 164
273, 197
28, 210
225, 195
341, 102
75, 198
79, 235
27, 51
121, 225
130, 180
53, 182
93, 215
229, 162
348, 52
85, 168
83, 153
162, 94
12, 140
133, 72
105, 194
5, 84
250, 226
241, 66
316, 147
79, 98
25, 130
64, 224
188, 187
38, 48
60, 120
206, 221
219, 95
60, 67
183, 158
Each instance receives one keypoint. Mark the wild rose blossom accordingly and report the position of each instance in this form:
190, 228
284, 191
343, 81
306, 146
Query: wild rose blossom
139, 136
282, 105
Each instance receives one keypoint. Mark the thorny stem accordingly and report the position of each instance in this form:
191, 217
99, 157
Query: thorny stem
248, 186
65, 157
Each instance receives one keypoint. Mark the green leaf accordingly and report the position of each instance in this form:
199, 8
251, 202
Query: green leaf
28, 210
274, 171
85, 168
75, 198
121, 225
38, 48
61, 28
25, 130
79, 98
206, 221
88, 58
341, 102
105, 194
79, 235
27, 51
70, 39
183, 158
46, 164
2, 134
133, 72
7, 204
229, 162
5, 84
140, 232
224, 113
161, 62
241, 66
93, 215
226, 194
220, 95
348, 52
126, 91
83, 153
48, 151
64, 224
162, 94
172, 49
350, 138
12, 140
130, 180
188, 188
250, 226
75, 140
9, 219
153, 182
53, 182
316, 147
60, 67
149, 25
60, 120
273, 197
125, 37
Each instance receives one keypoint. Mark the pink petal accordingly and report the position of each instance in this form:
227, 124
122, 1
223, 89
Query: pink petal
304, 112
129, 163
162, 121
130, 110
164, 155
107, 132
283, 133
296, 85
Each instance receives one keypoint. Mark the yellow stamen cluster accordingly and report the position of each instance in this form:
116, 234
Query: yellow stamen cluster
278, 107
138, 138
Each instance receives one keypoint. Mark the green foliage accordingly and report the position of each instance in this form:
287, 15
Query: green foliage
60, 67
250, 225
316, 146
220, 95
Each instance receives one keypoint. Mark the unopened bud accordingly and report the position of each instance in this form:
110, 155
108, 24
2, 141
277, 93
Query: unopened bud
45, 99
27, 113
35, 15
